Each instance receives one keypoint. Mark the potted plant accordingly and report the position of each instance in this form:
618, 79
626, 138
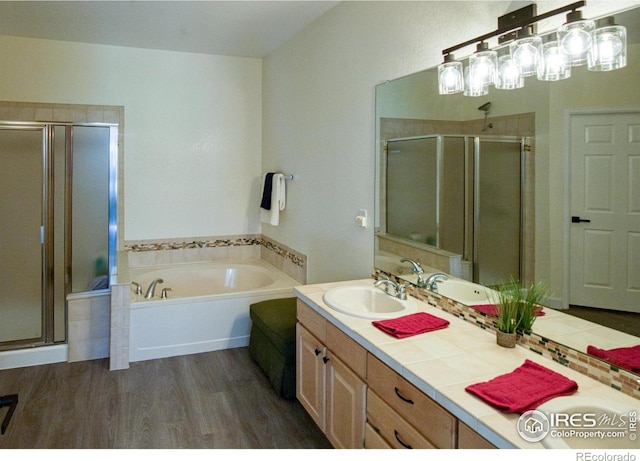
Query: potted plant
507, 316
517, 308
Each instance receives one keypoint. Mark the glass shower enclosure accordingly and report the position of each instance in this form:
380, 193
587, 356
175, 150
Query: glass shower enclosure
58, 228
461, 194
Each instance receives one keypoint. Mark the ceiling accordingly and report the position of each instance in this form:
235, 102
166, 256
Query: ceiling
232, 28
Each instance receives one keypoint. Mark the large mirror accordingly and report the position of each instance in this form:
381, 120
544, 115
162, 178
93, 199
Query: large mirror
428, 207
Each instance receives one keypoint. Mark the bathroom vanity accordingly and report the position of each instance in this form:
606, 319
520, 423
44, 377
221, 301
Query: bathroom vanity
365, 388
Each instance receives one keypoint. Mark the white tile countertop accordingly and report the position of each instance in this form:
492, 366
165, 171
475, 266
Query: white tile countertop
442, 363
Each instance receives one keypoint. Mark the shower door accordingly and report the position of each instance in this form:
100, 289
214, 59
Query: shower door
498, 209
22, 186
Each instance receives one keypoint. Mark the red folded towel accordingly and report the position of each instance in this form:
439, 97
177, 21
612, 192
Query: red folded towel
624, 357
490, 309
525, 388
412, 324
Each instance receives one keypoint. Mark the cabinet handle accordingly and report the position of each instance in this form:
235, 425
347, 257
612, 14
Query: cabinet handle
325, 359
402, 397
317, 351
406, 445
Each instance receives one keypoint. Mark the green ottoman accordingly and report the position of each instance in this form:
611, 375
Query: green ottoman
272, 344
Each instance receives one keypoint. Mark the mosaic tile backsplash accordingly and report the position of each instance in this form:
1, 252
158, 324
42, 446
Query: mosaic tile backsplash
606, 373
283, 258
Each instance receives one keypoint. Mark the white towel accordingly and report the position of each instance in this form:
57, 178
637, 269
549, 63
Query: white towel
278, 200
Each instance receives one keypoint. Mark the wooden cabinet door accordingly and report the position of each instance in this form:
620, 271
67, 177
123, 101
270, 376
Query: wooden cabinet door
346, 405
311, 375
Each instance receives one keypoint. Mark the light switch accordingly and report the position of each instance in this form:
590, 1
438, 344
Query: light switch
361, 219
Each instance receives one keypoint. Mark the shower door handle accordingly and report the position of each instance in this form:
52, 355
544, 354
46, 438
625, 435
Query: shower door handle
579, 219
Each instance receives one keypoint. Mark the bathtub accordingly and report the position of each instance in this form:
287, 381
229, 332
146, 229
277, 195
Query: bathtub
207, 308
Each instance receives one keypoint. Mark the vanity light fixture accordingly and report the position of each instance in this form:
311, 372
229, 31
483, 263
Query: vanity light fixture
509, 74
474, 87
450, 79
526, 51
549, 56
575, 38
554, 65
609, 48
483, 66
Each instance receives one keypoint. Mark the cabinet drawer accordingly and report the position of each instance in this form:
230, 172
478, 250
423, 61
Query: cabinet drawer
372, 439
433, 421
391, 427
349, 351
312, 321
468, 438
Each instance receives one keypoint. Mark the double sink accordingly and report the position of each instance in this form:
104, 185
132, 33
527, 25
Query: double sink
367, 301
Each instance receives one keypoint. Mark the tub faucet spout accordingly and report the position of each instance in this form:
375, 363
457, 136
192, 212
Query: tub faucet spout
152, 288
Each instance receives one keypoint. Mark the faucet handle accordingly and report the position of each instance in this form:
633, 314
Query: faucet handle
138, 287
163, 295
401, 291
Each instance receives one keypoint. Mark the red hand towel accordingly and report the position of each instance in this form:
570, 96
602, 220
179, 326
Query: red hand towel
624, 357
412, 324
490, 309
525, 388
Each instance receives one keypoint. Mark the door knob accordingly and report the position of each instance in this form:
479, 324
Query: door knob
579, 219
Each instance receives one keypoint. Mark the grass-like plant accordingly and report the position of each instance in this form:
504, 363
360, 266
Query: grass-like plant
518, 307
531, 300
507, 301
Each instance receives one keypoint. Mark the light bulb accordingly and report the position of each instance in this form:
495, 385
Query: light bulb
575, 39
527, 53
509, 74
554, 65
450, 79
609, 50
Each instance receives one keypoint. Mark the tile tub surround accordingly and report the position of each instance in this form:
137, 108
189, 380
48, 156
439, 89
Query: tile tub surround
442, 363
610, 375
157, 252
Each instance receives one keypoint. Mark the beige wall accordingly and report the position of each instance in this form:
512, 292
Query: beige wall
319, 103
192, 127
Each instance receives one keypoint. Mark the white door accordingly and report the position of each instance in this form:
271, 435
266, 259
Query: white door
605, 211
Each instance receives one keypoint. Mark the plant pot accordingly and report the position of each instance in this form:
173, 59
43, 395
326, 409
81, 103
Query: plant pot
506, 339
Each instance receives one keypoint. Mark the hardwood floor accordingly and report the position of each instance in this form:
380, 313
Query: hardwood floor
212, 400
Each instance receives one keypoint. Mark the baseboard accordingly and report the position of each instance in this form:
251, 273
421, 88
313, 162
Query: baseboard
34, 356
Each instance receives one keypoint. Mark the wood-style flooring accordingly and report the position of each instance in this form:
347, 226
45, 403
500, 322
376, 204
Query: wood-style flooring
626, 322
213, 400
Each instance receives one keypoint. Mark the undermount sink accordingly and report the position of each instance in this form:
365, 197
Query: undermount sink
367, 302
464, 292
589, 423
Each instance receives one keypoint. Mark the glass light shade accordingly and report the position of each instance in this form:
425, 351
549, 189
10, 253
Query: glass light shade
450, 78
474, 88
483, 68
509, 74
554, 64
575, 40
609, 48
527, 54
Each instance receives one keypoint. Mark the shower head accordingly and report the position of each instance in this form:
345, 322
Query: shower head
485, 107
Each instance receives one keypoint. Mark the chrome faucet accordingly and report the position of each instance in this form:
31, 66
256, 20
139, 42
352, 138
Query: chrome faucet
433, 279
152, 288
138, 287
417, 269
400, 289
